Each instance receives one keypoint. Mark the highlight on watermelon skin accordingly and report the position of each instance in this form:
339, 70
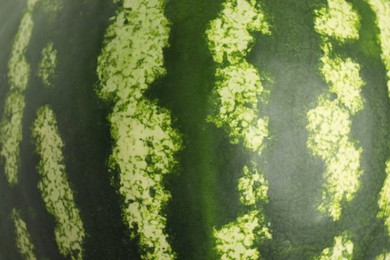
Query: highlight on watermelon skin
330, 122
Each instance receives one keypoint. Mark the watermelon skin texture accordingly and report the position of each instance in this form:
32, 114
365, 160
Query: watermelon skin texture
196, 130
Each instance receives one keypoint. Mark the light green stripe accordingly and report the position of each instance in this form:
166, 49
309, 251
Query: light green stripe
11, 134
18, 74
235, 99
54, 186
23, 239
145, 142
330, 122
342, 249
382, 10
48, 65
18, 67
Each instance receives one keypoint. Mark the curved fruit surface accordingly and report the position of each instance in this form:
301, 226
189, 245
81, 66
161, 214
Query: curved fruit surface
167, 129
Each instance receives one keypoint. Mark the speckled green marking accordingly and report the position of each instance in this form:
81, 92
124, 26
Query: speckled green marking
330, 122
343, 79
229, 36
145, 142
23, 239
54, 186
384, 199
238, 93
18, 75
252, 186
382, 10
342, 249
48, 65
236, 96
133, 58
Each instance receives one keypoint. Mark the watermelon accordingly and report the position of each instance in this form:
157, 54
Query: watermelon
166, 129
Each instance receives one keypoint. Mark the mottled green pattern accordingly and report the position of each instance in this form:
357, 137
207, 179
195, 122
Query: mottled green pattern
230, 35
23, 239
339, 20
11, 134
238, 93
48, 64
134, 57
343, 79
18, 75
145, 142
330, 122
342, 249
330, 126
18, 67
252, 186
54, 186
235, 240
239, 87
